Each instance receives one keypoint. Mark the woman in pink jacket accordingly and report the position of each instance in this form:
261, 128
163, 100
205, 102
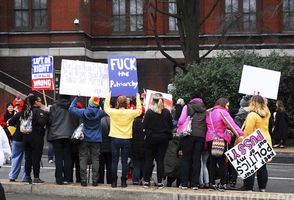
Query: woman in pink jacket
218, 120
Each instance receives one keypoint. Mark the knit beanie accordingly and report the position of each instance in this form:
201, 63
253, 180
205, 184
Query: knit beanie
94, 101
245, 101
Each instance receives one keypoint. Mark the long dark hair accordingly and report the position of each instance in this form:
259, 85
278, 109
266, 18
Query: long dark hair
222, 102
27, 107
280, 106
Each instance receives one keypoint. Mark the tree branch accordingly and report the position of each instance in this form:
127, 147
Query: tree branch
161, 49
164, 12
209, 13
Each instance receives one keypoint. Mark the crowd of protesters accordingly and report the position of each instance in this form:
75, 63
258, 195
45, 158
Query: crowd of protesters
120, 129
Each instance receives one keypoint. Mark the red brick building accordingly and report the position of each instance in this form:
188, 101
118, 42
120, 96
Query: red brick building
94, 29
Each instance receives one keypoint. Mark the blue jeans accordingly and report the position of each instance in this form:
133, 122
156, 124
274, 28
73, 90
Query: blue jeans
16, 160
120, 146
138, 166
50, 151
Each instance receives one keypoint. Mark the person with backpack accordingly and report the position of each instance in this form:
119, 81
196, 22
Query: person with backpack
61, 125
90, 145
32, 126
193, 144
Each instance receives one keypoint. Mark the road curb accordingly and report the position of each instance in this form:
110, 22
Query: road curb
105, 192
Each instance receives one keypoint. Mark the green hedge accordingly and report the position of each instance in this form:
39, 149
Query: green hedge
220, 77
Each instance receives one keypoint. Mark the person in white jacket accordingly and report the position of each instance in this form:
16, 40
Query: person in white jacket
5, 153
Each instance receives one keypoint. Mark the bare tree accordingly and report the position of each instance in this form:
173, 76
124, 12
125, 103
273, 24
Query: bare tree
189, 23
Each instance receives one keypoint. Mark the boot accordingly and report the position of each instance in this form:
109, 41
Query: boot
114, 182
124, 182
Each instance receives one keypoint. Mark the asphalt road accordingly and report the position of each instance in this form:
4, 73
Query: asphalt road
11, 196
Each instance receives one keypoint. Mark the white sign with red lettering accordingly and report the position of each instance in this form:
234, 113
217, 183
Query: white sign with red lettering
167, 99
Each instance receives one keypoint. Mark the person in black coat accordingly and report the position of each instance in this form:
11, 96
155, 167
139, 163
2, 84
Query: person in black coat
138, 149
33, 138
105, 157
280, 130
61, 126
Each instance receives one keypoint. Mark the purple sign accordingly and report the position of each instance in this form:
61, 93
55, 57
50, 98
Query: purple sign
123, 75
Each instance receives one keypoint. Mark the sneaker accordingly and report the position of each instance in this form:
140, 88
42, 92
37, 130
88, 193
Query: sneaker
65, 183
282, 146
50, 161
28, 180
95, 183
262, 190
12, 180
214, 187
195, 188
183, 187
146, 184
276, 145
206, 185
160, 185
38, 180
222, 187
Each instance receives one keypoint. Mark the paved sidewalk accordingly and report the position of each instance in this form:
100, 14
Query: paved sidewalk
105, 192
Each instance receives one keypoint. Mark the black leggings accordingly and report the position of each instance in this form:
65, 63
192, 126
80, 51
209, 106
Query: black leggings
155, 149
262, 178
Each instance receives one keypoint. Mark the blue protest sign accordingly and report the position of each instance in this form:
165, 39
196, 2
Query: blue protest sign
123, 75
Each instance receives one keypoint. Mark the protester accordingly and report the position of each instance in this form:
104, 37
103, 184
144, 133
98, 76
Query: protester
17, 103
204, 175
258, 117
216, 128
157, 125
281, 121
5, 153
239, 120
10, 112
17, 144
172, 161
90, 145
193, 144
105, 153
121, 121
138, 149
61, 126
32, 126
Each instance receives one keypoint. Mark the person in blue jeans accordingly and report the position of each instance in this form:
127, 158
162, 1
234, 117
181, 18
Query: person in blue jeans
17, 148
50, 153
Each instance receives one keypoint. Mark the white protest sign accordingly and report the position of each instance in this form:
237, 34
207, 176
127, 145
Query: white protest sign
167, 99
260, 81
250, 154
84, 78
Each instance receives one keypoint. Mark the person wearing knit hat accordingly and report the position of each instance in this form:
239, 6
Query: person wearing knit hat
90, 145
94, 101
244, 102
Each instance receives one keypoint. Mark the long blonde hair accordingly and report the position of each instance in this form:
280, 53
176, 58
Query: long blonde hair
257, 104
157, 103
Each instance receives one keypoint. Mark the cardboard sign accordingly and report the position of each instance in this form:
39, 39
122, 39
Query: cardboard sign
84, 78
167, 99
123, 75
260, 81
42, 73
250, 154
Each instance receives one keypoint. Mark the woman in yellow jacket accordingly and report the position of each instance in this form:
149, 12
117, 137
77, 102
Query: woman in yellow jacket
258, 117
121, 122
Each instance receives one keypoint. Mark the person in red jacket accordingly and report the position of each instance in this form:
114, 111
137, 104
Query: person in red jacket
18, 103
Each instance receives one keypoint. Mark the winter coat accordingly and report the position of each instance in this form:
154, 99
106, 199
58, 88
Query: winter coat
280, 125
219, 126
91, 117
240, 117
197, 110
15, 121
257, 120
61, 123
158, 125
106, 141
171, 160
39, 121
138, 149
5, 151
